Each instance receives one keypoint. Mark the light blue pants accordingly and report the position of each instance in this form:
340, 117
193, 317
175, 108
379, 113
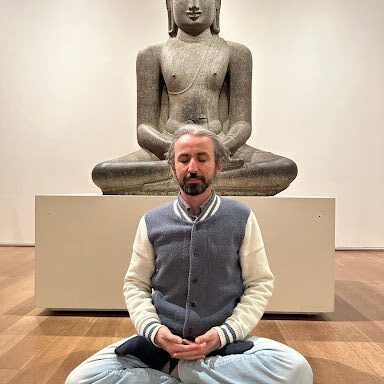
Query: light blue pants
266, 363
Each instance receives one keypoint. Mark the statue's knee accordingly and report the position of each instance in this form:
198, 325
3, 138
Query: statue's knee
100, 171
284, 166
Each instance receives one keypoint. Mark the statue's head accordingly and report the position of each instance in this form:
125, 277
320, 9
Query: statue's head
193, 16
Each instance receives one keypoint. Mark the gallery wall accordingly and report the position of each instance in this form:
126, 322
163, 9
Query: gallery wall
68, 98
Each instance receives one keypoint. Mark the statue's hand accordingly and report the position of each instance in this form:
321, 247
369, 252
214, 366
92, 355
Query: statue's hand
151, 139
233, 164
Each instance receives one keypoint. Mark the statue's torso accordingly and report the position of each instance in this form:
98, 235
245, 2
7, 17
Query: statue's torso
194, 74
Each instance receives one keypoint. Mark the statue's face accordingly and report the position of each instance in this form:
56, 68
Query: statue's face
194, 16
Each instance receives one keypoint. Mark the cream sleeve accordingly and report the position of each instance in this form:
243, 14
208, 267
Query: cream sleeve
257, 284
137, 285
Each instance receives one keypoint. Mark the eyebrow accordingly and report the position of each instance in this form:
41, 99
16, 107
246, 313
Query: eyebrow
204, 153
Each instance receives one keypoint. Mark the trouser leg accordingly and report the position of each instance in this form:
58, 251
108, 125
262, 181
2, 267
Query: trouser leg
105, 367
268, 362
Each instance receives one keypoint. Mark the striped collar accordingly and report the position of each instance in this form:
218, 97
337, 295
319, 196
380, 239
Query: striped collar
208, 209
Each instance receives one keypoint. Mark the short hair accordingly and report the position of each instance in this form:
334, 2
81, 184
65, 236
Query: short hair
221, 152
172, 27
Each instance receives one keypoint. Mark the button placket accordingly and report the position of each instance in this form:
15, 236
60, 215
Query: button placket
192, 280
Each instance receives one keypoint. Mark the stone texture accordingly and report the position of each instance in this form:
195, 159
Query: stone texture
194, 76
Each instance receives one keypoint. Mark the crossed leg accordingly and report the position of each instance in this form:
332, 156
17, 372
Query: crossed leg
268, 362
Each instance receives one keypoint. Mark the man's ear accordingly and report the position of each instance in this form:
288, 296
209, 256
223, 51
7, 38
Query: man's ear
219, 168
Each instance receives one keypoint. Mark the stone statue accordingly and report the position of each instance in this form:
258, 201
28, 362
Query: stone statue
195, 76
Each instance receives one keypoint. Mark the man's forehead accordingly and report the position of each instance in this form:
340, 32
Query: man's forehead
196, 144
194, 140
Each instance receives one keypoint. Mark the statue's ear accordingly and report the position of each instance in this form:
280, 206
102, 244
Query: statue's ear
216, 22
172, 27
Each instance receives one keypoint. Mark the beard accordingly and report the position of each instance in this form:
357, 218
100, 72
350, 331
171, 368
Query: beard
195, 189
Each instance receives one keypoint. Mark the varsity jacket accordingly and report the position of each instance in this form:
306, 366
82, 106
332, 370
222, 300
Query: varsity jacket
194, 275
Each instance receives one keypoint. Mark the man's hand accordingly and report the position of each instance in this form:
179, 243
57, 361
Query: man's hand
184, 349
177, 347
210, 341
167, 340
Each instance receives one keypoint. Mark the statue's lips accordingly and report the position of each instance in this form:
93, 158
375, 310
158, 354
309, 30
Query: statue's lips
194, 15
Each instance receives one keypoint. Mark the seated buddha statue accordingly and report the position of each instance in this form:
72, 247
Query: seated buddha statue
194, 77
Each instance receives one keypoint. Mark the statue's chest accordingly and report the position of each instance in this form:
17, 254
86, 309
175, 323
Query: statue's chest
185, 66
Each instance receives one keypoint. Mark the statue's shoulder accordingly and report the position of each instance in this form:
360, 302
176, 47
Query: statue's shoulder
239, 49
151, 51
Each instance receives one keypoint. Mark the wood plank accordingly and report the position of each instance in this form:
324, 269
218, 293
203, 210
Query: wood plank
269, 330
86, 347
374, 330
365, 297
63, 326
7, 321
21, 353
116, 327
15, 293
6, 375
15, 333
24, 307
337, 362
360, 266
338, 346
43, 366
311, 331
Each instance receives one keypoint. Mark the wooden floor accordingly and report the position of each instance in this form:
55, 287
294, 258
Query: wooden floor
344, 347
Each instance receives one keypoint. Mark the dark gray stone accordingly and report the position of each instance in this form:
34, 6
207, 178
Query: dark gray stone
194, 76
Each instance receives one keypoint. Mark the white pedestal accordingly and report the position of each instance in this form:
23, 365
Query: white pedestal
84, 242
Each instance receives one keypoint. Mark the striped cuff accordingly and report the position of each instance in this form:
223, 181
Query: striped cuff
226, 333
150, 329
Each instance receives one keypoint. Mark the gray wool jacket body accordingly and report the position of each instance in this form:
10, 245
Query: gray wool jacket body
197, 281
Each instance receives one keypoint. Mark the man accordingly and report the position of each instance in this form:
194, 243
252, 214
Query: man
197, 285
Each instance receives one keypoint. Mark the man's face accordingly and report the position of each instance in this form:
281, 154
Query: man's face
194, 17
195, 167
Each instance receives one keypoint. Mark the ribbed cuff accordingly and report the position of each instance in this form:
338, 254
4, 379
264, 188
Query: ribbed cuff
150, 329
227, 334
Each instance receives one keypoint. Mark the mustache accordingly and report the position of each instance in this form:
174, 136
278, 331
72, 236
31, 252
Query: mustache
194, 176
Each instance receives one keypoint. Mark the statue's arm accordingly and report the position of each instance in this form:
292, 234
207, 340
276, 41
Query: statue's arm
149, 85
240, 104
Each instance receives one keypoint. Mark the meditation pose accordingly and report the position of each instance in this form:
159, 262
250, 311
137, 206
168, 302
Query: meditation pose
195, 76
196, 287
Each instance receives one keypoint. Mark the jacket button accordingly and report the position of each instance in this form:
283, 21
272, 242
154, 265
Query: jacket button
193, 304
194, 280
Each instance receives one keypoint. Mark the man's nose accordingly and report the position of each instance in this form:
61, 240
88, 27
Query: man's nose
192, 166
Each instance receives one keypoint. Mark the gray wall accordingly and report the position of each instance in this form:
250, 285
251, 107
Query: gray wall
67, 98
